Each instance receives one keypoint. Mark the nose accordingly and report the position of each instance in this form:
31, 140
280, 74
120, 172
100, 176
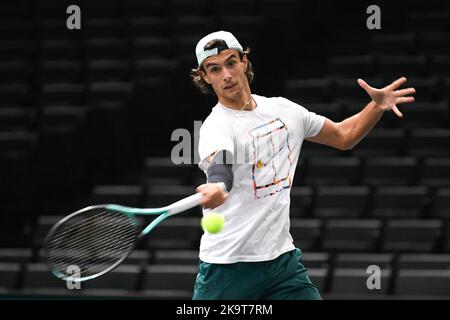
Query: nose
226, 75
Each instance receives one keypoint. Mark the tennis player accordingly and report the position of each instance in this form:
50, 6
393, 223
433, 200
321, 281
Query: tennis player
249, 147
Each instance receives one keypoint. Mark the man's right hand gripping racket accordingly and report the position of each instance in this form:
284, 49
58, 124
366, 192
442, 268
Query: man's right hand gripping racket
97, 239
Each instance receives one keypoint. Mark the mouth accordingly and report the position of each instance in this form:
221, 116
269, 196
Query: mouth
231, 86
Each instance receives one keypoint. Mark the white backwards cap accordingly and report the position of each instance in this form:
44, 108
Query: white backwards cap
230, 41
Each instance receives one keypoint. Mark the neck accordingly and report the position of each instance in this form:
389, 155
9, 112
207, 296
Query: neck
244, 103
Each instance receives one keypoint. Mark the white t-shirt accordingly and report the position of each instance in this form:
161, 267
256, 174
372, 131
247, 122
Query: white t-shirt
266, 143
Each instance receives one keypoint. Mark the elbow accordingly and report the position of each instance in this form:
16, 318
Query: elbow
346, 147
345, 141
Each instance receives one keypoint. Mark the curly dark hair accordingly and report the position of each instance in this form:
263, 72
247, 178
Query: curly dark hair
196, 73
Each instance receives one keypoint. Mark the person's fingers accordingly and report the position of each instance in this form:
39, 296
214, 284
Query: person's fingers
405, 92
396, 111
404, 100
364, 85
397, 83
200, 188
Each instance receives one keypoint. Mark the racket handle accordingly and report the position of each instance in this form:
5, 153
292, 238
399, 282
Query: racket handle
185, 204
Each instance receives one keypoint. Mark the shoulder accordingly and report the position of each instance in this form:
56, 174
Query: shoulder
216, 119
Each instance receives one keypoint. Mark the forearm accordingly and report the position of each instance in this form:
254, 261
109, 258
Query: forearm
356, 127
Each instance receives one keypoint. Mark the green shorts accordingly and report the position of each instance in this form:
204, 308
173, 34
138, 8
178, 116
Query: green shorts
284, 278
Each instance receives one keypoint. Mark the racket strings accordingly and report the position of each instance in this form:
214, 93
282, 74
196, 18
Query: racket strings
93, 241
94, 250
77, 245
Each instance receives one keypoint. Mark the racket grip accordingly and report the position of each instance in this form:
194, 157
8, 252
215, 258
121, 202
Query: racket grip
185, 204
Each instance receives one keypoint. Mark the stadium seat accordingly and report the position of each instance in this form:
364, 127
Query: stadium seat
312, 149
331, 110
233, 6
60, 49
42, 227
16, 140
399, 202
395, 43
138, 257
144, 48
381, 142
16, 50
103, 27
106, 48
148, 26
15, 119
425, 115
170, 277
37, 275
101, 9
14, 95
440, 207
15, 71
181, 7
53, 116
188, 25
109, 91
16, 191
20, 10
447, 237
305, 91
339, 202
127, 195
351, 235
306, 233
433, 41
354, 281
176, 257
385, 171
430, 284
440, 65
301, 201
424, 261
18, 255
315, 260
124, 277
436, 172
62, 94
411, 236
429, 142
332, 171
176, 233
162, 171
9, 275
153, 68
350, 65
363, 260
51, 71
396, 65
108, 70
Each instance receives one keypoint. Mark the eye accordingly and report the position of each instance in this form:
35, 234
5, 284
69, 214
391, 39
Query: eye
214, 69
231, 63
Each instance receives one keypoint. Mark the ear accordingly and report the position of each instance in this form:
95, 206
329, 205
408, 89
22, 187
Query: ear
245, 61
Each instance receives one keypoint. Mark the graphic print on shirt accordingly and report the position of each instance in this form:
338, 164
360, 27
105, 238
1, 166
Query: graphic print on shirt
271, 158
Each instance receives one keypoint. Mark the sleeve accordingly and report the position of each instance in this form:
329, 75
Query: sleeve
311, 122
213, 137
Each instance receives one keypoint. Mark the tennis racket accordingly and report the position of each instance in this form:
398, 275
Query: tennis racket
98, 238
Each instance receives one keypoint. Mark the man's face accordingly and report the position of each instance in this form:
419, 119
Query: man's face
225, 72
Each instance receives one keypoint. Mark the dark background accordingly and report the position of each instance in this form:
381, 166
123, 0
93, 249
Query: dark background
86, 117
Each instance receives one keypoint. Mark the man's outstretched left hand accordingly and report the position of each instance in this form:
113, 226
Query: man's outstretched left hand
388, 97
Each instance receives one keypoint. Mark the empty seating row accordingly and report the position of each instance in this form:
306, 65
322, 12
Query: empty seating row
339, 276
332, 235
